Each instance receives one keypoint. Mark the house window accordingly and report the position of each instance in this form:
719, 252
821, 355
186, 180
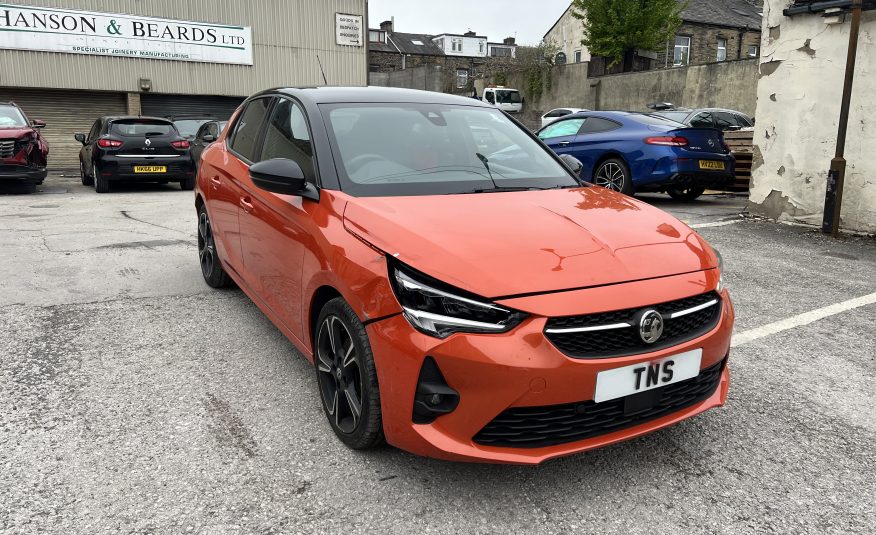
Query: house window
416, 42
577, 56
374, 67
457, 44
722, 50
753, 51
481, 47
500, 52
560, 58
376, 36
461, 78
440, 43
682, 51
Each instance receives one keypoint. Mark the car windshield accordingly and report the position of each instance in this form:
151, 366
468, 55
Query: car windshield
429, 149
677, 116
140, 128
10, 116
189, 127
508, 96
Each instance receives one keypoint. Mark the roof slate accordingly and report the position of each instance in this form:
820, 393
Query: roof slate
734, 13
404, 42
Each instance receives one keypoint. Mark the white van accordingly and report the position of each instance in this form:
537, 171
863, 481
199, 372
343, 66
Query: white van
504, 98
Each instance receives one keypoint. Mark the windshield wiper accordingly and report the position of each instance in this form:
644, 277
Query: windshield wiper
486, 163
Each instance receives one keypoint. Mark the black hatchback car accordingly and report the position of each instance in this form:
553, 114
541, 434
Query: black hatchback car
134, 149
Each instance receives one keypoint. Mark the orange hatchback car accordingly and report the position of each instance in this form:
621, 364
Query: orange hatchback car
461, 294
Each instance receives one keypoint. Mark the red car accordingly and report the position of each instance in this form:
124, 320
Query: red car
23, 151
461, 293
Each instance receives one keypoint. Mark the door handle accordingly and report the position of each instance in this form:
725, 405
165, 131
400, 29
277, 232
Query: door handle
246, 204
215, 181
565, 143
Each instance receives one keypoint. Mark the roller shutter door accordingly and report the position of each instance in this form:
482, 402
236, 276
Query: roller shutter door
167, 105
65, 113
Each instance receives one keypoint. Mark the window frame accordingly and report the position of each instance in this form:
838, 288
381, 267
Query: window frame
676, 46
756, 51
456, 41
458, 77
578, 56
590, 120
722, 47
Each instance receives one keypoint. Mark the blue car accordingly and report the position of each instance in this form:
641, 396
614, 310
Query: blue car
637, 152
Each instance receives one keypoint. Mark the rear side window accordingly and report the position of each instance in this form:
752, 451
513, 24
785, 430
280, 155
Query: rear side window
287, 137
742, 120
142, 127
558, 113
595, 125
702, 120
725, 120
568, 127
248, 128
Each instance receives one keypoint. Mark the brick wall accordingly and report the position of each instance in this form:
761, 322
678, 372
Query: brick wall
704, 44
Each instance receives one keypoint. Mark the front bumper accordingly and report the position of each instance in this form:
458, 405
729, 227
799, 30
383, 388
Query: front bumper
522, 368
22, 173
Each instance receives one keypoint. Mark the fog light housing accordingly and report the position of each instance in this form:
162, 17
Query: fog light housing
433, 397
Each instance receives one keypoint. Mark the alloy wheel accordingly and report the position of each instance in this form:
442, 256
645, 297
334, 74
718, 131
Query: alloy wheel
206, 245
610, 176
340, 375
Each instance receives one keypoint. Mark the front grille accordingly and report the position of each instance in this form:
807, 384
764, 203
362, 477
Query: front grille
626, 340
7, 148
537, 427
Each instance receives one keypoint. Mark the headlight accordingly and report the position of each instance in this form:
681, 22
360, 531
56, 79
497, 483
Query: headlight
440, 310
720, 269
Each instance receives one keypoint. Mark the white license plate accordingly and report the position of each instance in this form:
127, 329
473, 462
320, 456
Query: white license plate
620, 382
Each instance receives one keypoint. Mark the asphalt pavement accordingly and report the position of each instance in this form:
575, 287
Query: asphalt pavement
135, 399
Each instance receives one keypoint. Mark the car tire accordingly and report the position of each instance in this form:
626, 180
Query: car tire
86, 179
187, 184
211, 267
614, 174
346, 376
685, 194
101, 183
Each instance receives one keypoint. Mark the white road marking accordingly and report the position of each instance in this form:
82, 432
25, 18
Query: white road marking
801, 319
716, 224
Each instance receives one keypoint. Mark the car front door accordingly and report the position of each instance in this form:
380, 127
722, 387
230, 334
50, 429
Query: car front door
276, 230
593, 140
225, 182
561, 135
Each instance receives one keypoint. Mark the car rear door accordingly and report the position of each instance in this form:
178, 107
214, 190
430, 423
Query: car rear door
276, 230
225, 182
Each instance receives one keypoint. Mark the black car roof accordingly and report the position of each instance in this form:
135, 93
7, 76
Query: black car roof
328, 95
112, 118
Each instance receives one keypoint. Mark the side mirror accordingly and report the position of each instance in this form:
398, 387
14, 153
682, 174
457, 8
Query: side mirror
208, 138
38, 123
574, 164
80, 137
283, 176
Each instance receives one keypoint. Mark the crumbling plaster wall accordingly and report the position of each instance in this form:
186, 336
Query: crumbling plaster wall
802, 67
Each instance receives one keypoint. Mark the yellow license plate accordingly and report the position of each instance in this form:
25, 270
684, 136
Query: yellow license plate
152, 169
712, 164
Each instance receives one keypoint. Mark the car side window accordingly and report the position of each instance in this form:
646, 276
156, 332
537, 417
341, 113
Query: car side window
724, 120
287, 136
702, 120
249, 127
595, 125
742, 121
93, 133
568, 127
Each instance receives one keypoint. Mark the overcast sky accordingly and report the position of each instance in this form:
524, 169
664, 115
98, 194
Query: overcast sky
496, 19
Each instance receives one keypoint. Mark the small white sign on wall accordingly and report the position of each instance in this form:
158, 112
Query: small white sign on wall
348, 29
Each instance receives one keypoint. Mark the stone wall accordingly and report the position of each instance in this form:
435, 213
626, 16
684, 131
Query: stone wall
802, 68
731, 84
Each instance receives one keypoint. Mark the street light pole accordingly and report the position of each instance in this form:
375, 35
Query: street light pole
836, 176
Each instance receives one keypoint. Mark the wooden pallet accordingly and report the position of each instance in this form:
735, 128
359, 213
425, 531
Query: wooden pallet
742, 145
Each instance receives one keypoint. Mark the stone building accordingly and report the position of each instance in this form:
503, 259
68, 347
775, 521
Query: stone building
711, 31
462, 57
